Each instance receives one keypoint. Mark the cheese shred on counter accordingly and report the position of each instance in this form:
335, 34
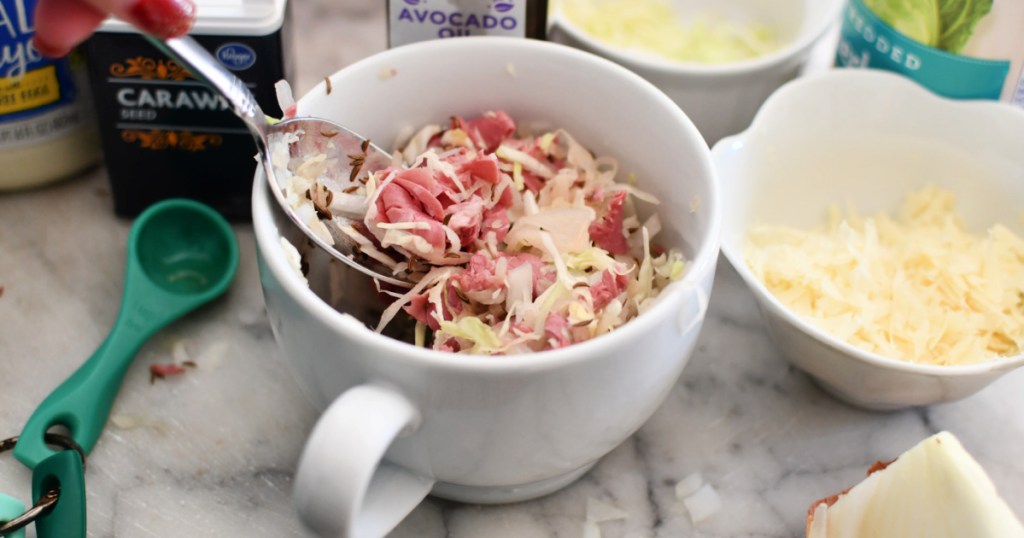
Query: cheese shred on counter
917, 287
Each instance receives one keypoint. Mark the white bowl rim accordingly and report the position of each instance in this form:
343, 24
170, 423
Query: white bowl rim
703, 261
793, 48
915, 92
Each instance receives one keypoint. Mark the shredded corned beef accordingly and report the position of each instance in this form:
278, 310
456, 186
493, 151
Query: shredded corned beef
161, 370
488, 130
607, 232
403, 201
480, 274
477, 178
419, 308
609, 287
423, 311
569, 271
556, 330
465, 218
451, 345
484, 167
496, 221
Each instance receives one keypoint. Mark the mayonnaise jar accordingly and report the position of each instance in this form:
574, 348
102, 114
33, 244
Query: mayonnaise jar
962, 50
47, 130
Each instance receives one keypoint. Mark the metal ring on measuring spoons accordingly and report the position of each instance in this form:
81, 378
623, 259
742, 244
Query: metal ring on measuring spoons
45, 503
48, 499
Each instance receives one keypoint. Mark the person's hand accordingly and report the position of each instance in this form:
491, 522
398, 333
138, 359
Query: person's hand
63, 24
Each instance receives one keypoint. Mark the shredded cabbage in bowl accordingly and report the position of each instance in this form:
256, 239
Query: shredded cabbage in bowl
657, 28
516, 243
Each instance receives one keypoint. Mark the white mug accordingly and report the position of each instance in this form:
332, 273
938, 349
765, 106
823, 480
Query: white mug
400, 421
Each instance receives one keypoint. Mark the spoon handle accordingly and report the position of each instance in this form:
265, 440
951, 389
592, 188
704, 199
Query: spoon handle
190, 54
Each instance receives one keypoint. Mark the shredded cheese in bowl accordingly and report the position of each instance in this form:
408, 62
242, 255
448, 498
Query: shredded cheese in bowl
917, 287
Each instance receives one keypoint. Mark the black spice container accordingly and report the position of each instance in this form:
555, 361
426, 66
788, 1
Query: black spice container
410, 21
164, 133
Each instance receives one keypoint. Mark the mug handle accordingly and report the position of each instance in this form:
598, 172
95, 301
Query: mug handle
342, 486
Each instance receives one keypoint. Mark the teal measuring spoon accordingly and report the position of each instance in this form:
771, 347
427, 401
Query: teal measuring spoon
62, 472
11, 508
181, 254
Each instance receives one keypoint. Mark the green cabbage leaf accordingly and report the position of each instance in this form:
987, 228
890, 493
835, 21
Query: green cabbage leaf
943, 24
959, 17
916, 19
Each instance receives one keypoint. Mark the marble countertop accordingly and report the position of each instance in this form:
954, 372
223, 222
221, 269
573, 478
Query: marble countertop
211, 453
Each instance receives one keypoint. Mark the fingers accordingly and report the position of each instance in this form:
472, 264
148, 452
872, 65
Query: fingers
63, 24
162, 18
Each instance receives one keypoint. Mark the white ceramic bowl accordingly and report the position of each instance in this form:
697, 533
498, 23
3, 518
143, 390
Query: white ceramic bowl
868, 137
722, 99
499, 429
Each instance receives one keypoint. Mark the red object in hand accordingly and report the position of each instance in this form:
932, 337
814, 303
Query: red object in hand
163, 18
63, 24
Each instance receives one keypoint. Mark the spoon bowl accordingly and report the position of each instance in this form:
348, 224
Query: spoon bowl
351, 158
351, 155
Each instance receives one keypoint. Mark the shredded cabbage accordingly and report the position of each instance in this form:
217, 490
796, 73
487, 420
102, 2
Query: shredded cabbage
516, 243
473, 330
655, 27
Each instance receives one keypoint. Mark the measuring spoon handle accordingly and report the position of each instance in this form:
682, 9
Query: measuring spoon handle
82, 402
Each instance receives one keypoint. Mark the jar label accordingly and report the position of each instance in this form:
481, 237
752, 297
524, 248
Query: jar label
166, 133
419, 20
868, 41
37, 94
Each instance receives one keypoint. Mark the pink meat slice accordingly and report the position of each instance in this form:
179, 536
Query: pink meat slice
489, 130
479, 273
543, 275
435, 183
504, 200
450, 345
556, 331
465, 219
532, 181
397, 204
482, 168
428, 202
607, 232
420, 309
423, 311
496, 220
609, 287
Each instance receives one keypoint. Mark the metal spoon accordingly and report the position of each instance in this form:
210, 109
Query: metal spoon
317, 136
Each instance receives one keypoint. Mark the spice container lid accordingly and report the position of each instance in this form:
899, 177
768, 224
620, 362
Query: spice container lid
225, 17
